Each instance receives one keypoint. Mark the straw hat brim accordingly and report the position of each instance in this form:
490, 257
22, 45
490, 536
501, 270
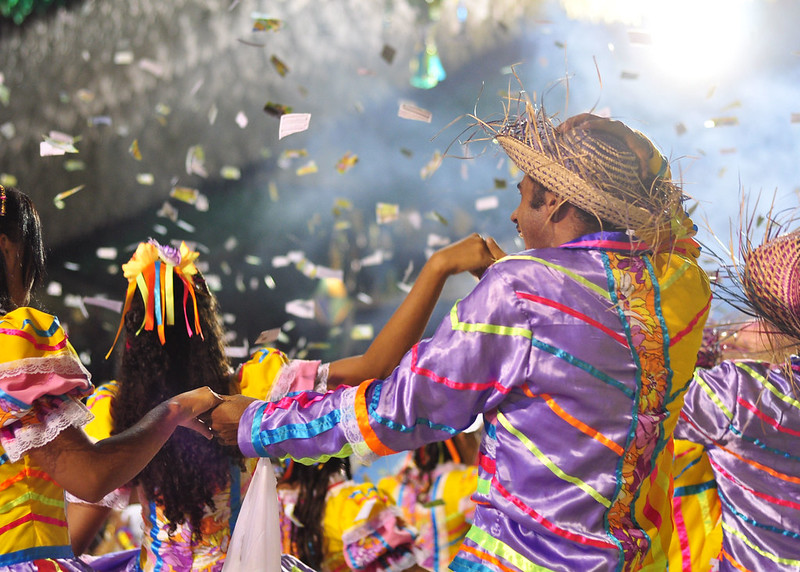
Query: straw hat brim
548, 172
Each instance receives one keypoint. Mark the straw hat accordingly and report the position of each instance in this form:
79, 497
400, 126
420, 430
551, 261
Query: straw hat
597, 164
771, 282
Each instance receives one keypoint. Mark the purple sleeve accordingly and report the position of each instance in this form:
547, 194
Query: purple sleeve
479, 353
710, 404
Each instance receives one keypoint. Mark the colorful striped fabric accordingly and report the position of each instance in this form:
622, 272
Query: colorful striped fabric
578, 358
747, 415
697, 539
41, 383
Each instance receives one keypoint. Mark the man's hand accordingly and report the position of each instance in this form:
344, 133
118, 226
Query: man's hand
472, 254
189, 407
225, 417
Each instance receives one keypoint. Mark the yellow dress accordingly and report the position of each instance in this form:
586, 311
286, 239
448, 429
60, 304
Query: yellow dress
41, 384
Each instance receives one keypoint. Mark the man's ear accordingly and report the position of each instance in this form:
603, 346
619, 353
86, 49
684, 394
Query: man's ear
558, 207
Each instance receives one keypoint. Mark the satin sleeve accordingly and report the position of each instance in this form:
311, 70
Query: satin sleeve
440, 386
41, 382
710, 405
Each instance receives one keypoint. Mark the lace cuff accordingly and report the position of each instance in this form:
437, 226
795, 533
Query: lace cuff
49, 416
297, 375
117, 499
352, 432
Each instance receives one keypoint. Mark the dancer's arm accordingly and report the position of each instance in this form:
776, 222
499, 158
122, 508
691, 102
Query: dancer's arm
472, 254
91, 470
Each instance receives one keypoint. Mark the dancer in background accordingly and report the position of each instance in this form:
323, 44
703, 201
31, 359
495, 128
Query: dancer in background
44, 450
192, 491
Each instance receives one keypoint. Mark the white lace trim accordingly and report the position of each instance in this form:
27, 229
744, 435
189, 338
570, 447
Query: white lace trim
71, 413
321, 380
352, 433
116, 499
64, 363
287, 376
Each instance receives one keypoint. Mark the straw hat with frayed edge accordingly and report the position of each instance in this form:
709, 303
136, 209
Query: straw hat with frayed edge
600, 166
771, 282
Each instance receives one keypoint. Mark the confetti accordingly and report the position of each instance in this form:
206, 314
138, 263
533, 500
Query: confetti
279, 66
134, 150
123, 58
433, 215
639, 37
307, 169
185, 194
386, 212
300, 308
795, 117
273, 192
388, 53
628, 75
241, 119
293, 123
267, 337
373, 259
195, 161
341, 205
168, 211
58, 200
487, 203
362, 332
721, 122
276, 109
145, 179
410, 111
347, 162
8, 180
72, 165
230, 173
57, 143
8, 130
263, 23
100, 302
152, 67
431, 166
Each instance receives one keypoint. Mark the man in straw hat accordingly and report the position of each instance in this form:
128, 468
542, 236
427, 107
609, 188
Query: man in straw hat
746, 413
576, 351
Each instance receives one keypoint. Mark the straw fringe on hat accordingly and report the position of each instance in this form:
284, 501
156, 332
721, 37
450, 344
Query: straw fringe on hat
771, 282
600, 166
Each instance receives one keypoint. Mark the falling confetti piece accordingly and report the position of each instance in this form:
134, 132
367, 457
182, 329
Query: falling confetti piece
639, 37
58, 200
195, 161
123, 58
500, 184
185, 194
307, 169
410, 111
430, 168
433, 215
628, 75
347, 162
145, 179
106, 253
276, 109
274, 196
300, 308
721, 122
267, 337
362, 332
795, 117
8, 180
134, 150
72, 165
168, 211
293, 123
241, 119
263, 23
388, 53
230, 173
341, 205
386, 212
487, 203
279, 66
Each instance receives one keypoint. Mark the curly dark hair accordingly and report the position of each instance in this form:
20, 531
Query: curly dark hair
189, 469
313, 482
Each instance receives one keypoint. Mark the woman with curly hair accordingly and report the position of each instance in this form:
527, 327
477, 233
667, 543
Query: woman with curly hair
192, 490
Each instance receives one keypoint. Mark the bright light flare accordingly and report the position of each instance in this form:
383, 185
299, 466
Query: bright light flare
697, 39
